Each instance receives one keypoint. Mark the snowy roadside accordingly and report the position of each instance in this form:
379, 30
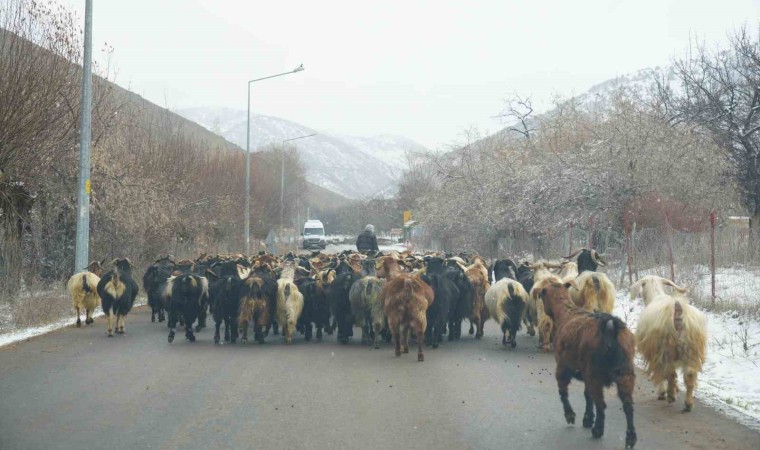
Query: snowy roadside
27, 333
728, 381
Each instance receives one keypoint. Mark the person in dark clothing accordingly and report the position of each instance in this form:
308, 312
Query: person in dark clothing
367, 240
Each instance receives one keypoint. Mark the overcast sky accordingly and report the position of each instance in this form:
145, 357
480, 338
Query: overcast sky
424, 70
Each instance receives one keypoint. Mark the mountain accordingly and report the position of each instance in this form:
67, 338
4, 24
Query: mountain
352, 166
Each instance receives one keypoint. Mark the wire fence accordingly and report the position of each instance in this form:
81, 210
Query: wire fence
632, 251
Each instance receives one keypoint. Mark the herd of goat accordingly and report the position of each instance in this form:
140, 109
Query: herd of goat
394, 295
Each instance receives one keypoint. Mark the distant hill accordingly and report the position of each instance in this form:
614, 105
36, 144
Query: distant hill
353, 166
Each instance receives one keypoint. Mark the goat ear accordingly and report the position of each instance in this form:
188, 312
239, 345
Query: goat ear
542, 294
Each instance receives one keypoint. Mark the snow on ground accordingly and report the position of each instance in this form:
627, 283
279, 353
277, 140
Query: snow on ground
27, 333
728, 380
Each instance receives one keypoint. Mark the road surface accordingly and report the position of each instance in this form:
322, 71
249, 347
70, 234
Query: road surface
77, 389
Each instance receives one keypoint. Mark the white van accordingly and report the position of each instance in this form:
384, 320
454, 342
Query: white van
314, 235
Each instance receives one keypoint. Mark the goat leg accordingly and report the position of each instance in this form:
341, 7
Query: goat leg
563, 381
79, 321
172, 322
110, 329
597, 394
672, 387
625, 392
690, 380
588, 416
397, 338
420, 332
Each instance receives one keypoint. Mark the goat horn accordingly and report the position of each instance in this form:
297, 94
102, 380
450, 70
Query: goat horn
113, 263
676, 287
597, 257
574, 254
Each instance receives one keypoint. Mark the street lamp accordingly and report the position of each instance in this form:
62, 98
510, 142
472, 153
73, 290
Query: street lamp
282, 176
247, 214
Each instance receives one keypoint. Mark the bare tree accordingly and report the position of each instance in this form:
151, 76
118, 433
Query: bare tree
721, 94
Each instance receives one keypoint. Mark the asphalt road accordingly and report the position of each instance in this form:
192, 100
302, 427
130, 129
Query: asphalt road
78, 389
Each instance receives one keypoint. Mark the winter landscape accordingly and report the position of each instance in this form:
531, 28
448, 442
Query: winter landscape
490, 197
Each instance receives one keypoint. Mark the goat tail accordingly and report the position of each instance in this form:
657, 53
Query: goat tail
85, 287
614, 355
595, 280
678, 316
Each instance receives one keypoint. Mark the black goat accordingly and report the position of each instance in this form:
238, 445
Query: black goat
187, 293
117, 291
338, 296
316, 309
224, 296
502, 268
154, 282
438, 313
588, 260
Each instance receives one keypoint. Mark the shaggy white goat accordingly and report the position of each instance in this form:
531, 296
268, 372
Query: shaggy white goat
671, 334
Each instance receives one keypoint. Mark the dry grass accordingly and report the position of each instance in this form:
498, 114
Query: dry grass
35, 309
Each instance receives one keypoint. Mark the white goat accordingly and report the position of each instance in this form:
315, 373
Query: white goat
84, 295
652, 285
671, 334
594, 292
506, 301
289, 301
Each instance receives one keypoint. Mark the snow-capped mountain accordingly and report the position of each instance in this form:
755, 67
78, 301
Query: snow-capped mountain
352, 166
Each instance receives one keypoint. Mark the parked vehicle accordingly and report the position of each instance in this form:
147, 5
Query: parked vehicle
314, 235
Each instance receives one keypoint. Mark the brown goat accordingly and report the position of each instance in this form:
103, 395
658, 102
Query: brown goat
478, 276
254, 307
405, 299
595, 348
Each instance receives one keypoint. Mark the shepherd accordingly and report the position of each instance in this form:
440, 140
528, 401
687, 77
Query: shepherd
367, 241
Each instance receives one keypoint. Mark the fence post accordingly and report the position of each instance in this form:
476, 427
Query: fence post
633, 252
590, 232
712, 254
670, 246
626, 254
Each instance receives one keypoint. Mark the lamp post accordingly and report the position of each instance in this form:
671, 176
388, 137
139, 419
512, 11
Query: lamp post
247, 214
282, 176
82, 248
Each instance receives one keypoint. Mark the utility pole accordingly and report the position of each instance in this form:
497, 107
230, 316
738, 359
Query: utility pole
85, 134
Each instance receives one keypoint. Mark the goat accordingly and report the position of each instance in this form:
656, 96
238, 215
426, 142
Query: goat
597, 349
568, 271
289, 301
83, 289
406, 298
541, 278
338, 296
477, 274
671, 334
187, 298
588, 260
117, 291
225, 298
506, 301
445, 295
367, 311
316, 310
154, 283
594, 292
651, 285
502, 268
254, 307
